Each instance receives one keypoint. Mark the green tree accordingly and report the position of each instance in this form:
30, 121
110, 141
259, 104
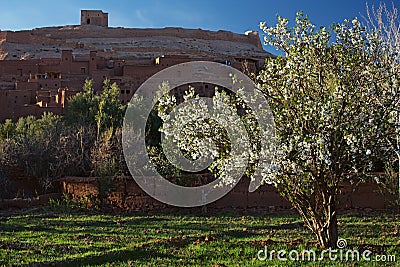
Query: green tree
91, 115
7, 129
110, 112
83, 107
103, 111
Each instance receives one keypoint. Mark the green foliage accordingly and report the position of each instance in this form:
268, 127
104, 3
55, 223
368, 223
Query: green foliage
103, 111
86, 141
30, 147
110, 112
30, 127
82, 107
103, 114
68, 205
7, 129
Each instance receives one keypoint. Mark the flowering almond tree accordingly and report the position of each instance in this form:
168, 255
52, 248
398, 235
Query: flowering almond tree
386, 22
324, 94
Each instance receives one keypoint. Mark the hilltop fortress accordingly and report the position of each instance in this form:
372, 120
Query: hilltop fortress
41, 68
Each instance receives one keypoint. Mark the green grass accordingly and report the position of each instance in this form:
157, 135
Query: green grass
49, 236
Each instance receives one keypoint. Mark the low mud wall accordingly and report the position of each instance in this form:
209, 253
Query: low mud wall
127, 196
25, 203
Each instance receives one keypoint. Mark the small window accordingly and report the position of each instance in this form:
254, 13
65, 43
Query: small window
56, 85
83, 70
206, 86
128, 91
88, 21
122, 91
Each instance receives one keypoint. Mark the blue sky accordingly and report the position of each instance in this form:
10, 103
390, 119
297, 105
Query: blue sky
236, 16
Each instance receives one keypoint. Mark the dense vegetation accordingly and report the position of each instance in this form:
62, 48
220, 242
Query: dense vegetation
86, 141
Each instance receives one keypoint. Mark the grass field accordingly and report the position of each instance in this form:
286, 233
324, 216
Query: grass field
50, 237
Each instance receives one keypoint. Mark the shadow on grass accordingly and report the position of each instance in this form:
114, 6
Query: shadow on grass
124, 255
86, 226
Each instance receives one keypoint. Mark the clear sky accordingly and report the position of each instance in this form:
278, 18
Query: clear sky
236, 16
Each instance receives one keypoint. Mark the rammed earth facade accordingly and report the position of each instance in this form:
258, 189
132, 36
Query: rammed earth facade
41, 69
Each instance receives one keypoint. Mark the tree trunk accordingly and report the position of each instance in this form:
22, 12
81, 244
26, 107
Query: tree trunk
320, 215
318, 211
333, 231
326, 227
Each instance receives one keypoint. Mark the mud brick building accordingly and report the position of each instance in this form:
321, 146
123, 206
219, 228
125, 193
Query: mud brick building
41, 68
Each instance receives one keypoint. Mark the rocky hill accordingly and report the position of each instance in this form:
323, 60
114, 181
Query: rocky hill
127, 43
